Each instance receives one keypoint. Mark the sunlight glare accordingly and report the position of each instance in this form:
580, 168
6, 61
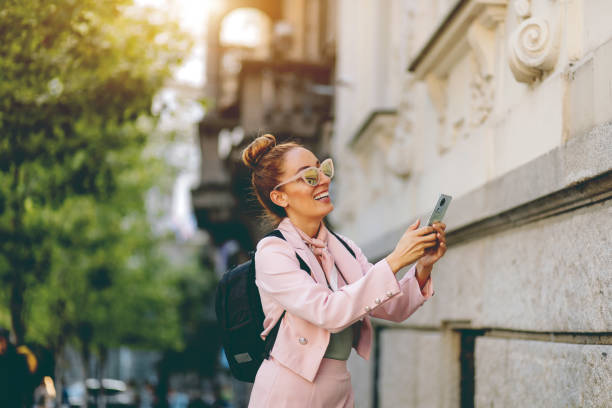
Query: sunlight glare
243, 27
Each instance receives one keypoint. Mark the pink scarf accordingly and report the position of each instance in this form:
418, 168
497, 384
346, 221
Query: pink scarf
318, 246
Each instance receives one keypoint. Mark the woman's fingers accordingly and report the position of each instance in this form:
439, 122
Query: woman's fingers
429, 244
412, 228
425, 230
428, 238
439, 226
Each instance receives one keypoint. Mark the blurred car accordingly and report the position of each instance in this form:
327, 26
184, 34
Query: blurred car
116, 393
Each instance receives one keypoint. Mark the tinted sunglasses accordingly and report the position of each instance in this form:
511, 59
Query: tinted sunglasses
311, 174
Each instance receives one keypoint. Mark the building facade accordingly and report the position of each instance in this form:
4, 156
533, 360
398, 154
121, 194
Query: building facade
506, 106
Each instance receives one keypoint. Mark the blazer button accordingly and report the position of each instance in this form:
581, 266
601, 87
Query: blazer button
389, 293
303, 340
367, 309
377, 301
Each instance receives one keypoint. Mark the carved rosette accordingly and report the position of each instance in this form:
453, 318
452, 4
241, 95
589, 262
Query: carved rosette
533, 49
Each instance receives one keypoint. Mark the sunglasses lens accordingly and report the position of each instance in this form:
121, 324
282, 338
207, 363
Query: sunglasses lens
327, 167
311, 176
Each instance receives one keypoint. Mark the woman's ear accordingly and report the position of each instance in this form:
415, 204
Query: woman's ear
279, 198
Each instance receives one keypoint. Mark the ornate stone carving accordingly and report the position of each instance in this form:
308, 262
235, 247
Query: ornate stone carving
533, 49
442, 63
482, 99
482, 42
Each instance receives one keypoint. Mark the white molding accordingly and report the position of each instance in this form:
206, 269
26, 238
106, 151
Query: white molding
534, 49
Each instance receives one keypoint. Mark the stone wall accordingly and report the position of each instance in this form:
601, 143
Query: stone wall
530, 285
507, 106
516, 373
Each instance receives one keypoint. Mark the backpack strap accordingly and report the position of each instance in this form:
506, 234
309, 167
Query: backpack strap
275, 233
303, 265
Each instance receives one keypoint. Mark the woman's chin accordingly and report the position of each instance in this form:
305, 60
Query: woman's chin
330, 207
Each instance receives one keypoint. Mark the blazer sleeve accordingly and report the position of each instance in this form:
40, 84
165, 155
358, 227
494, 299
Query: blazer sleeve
279, 276
410, 298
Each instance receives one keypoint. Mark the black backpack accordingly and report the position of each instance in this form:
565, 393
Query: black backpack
240, 317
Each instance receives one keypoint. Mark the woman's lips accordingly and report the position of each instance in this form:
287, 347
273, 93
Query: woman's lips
321, 195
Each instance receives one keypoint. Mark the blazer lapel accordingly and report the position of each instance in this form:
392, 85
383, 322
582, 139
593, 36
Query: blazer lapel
315, 268
346, 263
294, 239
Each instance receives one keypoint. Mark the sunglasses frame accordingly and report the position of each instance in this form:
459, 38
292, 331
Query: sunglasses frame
300, 174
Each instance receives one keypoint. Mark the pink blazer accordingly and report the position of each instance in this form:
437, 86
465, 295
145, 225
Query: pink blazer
313, 310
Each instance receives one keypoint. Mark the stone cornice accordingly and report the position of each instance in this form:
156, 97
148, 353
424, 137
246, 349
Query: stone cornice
451, 37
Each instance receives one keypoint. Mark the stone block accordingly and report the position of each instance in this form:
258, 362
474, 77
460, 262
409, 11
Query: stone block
526, 373
550, 275
418, 369
458, 285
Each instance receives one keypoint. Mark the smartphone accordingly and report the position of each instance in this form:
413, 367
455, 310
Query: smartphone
440, 209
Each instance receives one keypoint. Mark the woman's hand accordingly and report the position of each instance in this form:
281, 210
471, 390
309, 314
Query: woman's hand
432, 254
411, 247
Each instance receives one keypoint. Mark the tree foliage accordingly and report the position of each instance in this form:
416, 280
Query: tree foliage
77, 257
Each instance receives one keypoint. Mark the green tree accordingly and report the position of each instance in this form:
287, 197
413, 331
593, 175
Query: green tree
76, 77
108, 284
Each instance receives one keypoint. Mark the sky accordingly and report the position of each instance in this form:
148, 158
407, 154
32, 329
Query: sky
192, 15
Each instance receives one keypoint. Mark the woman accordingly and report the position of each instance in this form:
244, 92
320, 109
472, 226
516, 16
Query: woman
327, 312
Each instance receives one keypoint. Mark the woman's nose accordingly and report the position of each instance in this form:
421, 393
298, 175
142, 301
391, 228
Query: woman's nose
323, 178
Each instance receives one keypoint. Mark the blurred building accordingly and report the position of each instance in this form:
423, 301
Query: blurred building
269, 69
507, 106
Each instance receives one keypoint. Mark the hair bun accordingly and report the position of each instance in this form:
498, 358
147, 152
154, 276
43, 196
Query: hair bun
257, 149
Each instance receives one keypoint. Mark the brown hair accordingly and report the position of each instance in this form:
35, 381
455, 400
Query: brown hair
265, 158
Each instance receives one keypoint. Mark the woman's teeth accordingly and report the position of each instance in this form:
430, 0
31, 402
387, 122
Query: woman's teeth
322, 195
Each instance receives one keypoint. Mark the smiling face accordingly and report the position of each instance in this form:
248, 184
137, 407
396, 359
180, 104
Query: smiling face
300, 200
